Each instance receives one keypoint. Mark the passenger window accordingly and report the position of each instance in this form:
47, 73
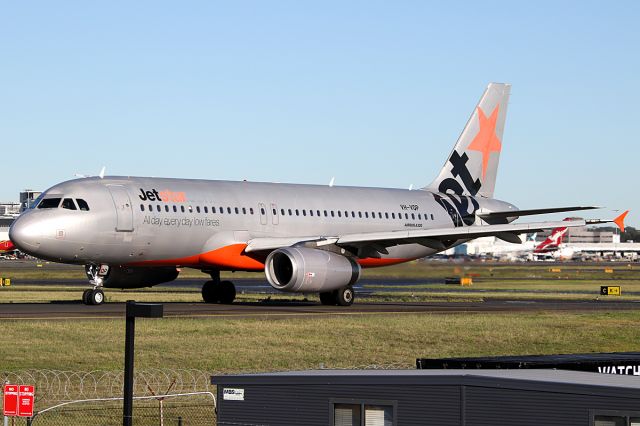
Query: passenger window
325, 213
166, 208
297, 212
339, 213
290, 214
182, 209
386, 215
158, 207
282, 212
206, 209
431, 216
221, 210
360, 215
419, 216
310, 212
275, 212
49, 203
213, 209
244, 210
251, 210
175, 209
229, 210
318, 211
237, 210
366, 215
82, 204
197, 209
68, 204
332, 214
353, 214
406, 215
141, 207
304, 212
413, 216
262, 212
393, 215
150, 208
379, 215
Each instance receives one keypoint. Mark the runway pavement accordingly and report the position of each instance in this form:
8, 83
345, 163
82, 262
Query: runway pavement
278, 310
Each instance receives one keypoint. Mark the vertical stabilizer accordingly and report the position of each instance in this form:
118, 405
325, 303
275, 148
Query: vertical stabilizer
473, 164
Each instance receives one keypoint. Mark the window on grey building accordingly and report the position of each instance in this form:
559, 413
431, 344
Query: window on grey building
364, 414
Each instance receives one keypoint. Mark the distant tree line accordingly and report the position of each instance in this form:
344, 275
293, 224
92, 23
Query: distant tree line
630, 233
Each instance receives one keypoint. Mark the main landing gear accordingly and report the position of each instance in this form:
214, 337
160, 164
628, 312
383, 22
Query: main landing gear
96, 274
342, 297
216, 291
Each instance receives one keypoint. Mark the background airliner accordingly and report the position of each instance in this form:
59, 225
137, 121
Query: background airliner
136, 231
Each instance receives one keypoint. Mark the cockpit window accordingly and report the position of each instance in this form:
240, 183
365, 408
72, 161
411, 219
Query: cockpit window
49, 203
68, 204
83, 205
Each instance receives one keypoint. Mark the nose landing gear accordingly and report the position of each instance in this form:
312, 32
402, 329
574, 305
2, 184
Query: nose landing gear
216, 291
96, 274
93, 296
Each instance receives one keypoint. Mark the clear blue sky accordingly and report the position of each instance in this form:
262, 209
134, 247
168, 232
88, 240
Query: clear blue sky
373, 93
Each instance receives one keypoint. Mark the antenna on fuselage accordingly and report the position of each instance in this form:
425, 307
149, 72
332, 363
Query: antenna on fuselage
104, 168
411, 187
332, 181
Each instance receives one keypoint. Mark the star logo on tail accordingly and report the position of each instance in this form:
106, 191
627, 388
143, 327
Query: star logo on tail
486, 140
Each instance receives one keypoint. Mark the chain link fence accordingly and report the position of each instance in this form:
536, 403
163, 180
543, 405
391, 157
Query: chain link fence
162, 397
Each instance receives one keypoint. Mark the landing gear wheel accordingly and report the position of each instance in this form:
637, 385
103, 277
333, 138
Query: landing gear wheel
328, 298
211, 292
85, 296
345, 296
227, 292
96, 296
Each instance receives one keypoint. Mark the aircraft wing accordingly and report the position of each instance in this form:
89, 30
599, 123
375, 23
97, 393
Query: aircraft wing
530, 212
507, 232
433, 238
430, 237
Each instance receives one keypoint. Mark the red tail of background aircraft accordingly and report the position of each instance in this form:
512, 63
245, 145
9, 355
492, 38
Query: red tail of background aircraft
6, 246
554, 240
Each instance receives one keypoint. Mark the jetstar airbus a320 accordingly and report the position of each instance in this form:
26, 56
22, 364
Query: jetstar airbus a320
134, 232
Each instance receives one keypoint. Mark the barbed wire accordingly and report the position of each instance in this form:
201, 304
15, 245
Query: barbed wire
60, 385
68, 385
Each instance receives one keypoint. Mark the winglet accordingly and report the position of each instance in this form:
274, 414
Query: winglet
619, 221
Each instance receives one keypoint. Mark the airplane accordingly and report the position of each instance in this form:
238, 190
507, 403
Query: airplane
550, 249
133, 232
6, 246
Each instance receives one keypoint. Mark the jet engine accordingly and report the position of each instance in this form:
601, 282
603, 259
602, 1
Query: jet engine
129, 277
299, 269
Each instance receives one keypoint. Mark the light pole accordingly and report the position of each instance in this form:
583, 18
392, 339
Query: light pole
144, 310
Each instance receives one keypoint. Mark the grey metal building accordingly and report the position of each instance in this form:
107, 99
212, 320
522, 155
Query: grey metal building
428, 397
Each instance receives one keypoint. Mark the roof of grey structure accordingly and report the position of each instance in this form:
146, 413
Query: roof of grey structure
538, 379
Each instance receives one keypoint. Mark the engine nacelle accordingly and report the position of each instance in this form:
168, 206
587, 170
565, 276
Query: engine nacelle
299, 269
129, 277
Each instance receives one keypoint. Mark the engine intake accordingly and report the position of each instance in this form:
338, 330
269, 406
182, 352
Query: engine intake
306, 270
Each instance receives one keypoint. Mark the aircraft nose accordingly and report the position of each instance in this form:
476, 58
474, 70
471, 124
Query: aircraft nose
25, 234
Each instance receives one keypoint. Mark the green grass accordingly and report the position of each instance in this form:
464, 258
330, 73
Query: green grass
227, 345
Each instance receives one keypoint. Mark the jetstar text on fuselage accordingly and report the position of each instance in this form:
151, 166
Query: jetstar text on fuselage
166, 196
